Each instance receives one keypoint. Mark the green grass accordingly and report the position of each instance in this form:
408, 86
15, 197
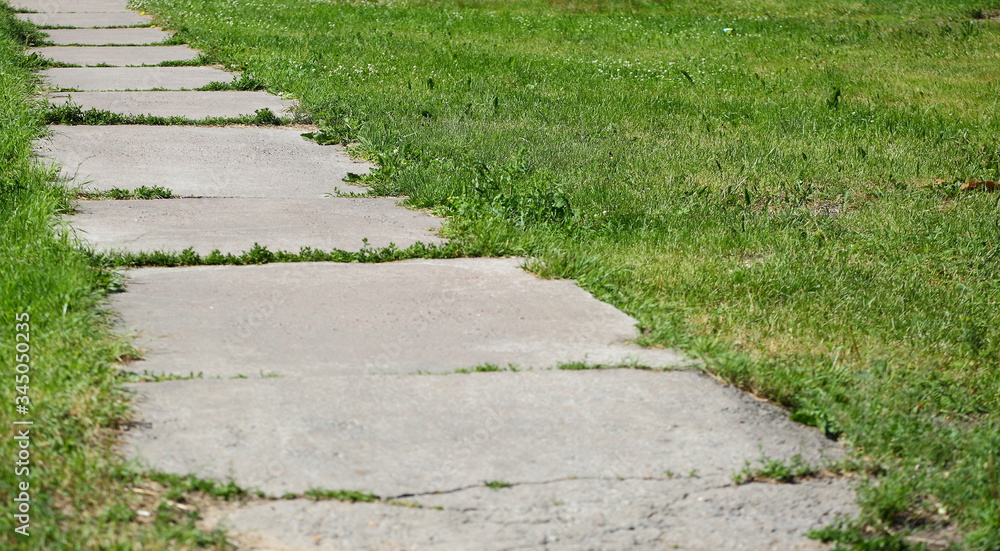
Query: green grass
350, 496
58, 27
488, 368
74, 114
259, 254
82, 496
242, 83
765, 199
776, 470
119, 194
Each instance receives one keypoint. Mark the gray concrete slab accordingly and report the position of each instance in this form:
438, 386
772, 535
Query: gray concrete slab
235, 225
412, 436
87, 19
96, 79
118, 56
682, 513
404, 317
69, 5
192, 105
98, 37
200, 161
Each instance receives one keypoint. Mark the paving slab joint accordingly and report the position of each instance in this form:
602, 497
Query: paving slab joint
73, 114
500, 485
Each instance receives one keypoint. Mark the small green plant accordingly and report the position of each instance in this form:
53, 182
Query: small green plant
775, 470
179, 485
487, 368
847, 535
497, 484
349, 496
119, 194
242, 83
147, 376
403, 503
584, 366
201, 61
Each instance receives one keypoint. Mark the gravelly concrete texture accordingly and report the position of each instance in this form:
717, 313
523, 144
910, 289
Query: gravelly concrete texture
70, 5
682, 513
95, 79
201, 161
403, 317
235, 225
97, 37
597, 460
192, 105
398, 436
118, 56
87, 19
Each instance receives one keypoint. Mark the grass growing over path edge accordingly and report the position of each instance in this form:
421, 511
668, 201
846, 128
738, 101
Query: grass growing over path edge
75, 493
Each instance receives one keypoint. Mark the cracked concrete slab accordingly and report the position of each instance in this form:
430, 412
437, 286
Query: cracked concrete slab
402, 317
69, 5
96, 79
565, 515
87, 19
411, 435
200, 161
235, 225
98, 37
191, 105
119, 56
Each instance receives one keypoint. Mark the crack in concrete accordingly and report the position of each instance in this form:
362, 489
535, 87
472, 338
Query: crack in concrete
558, 480
400, 500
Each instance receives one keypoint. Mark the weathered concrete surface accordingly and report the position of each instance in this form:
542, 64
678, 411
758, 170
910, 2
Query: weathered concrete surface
234, 225
400, 436
87, 19
97, 37
201, 161
682, 513
44, 6
119, 56
96, 79
403, 317
192, 105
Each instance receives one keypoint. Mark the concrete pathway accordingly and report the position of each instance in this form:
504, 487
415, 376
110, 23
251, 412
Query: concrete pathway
201, 161
234, 225
133, 78
106, 37
119, 57
190, 105
471, 404
70, 6
87, 19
